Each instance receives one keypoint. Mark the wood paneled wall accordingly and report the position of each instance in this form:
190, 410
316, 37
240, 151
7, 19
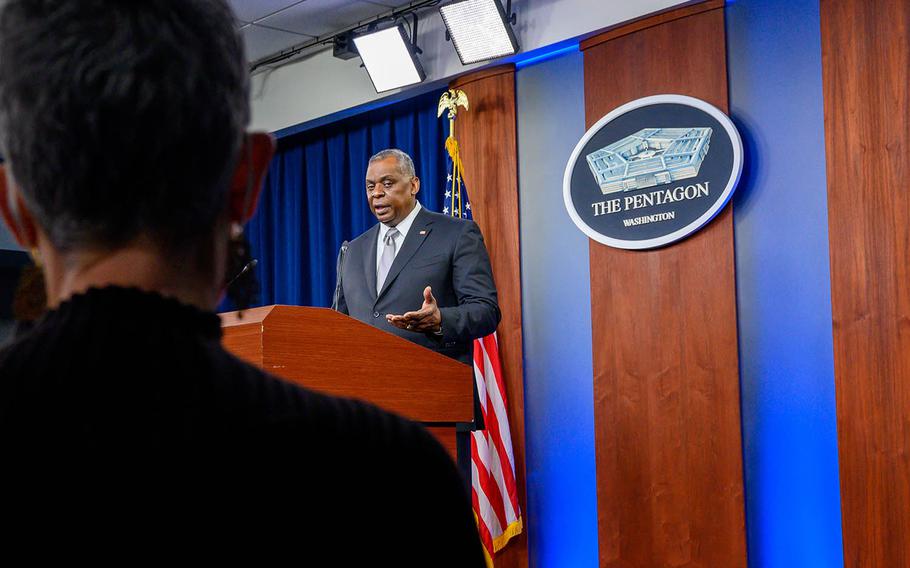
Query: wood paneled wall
489, 150
666, 378
865, 63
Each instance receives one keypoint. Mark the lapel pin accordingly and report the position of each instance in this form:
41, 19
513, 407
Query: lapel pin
423, 232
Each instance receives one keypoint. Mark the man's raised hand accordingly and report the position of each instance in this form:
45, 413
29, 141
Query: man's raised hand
427, 319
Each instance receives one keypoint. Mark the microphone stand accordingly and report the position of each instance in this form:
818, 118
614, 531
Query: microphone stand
339, 265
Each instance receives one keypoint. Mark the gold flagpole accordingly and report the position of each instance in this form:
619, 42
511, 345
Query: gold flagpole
450, 101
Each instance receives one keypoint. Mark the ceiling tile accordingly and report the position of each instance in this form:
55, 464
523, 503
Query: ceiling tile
252, 10
261, 42
321, 17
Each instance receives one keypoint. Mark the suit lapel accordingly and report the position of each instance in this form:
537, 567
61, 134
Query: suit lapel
369, 265
417, 234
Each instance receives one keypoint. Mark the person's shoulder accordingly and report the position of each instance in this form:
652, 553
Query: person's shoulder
348, 422
20, 348
363, 237
447, 223
7, 360
284, 408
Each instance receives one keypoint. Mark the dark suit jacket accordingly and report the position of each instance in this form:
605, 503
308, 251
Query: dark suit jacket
440, 251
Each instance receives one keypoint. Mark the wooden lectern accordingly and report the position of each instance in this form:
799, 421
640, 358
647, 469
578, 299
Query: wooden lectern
330, 352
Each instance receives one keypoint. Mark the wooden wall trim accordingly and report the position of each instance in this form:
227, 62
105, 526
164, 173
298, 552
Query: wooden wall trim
651, 20
463, 80
865, 57
666, 373
489, 148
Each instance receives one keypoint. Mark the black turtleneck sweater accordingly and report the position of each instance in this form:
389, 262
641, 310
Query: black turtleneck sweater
126, 400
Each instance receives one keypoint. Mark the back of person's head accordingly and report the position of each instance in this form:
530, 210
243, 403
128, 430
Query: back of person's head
121, 119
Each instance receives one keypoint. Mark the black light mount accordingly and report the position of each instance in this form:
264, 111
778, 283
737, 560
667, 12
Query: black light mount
343, 46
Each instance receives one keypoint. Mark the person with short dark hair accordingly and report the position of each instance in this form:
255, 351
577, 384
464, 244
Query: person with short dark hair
130, 171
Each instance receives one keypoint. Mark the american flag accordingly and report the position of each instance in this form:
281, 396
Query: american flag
494, 493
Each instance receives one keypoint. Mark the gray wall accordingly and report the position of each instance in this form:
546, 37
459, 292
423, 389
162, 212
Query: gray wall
559, 416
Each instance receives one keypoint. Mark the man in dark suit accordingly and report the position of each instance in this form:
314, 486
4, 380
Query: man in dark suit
418, 274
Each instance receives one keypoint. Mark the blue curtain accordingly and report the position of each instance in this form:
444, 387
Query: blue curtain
314, 197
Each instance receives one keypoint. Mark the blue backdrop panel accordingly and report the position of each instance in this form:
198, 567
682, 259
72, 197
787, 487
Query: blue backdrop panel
556, 320
314, 196
783, 286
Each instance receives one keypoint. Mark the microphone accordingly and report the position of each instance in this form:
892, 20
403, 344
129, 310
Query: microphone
246, 268
339, 266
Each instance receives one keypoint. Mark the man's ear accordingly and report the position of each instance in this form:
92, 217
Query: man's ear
249, 175
19, 222
415, 185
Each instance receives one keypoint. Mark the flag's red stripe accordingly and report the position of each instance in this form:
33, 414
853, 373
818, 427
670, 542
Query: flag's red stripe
496, 439
507, 475
487, 348
480, 371
505, 464
487, 485
491, 489
492, 348
496, 436
486, 538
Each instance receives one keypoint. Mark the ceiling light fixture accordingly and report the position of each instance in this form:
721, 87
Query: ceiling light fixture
480, 29
390, 57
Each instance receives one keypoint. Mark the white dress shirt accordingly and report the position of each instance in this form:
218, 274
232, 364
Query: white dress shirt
402, 227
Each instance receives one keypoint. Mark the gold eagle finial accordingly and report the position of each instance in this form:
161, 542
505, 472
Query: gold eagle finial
451, 100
